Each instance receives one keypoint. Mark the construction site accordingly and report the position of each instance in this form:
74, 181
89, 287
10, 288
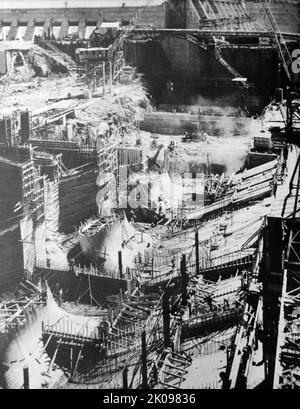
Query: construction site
150, 194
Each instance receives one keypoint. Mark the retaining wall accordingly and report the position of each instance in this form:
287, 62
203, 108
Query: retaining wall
177, 124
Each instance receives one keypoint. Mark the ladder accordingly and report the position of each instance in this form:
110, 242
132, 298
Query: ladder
282, 49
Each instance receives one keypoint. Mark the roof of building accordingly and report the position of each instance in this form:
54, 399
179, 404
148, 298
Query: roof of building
38, 4
115, 24
91, 49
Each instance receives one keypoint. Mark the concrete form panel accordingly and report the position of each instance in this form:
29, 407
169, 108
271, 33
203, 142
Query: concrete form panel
3, 64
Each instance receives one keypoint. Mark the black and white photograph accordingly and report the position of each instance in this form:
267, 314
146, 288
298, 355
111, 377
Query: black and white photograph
149, 197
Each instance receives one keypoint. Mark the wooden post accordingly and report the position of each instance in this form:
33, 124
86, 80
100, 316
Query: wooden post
197, 252
54, 355
128, 278
144, 361
183, 280
208, 164
125, 378
109, 314
94, 79
90, 290
71, 361
226, 383
77, 360
26, 377
155, 374
120, 264
104, 76
166, 319
110, 75
194, 193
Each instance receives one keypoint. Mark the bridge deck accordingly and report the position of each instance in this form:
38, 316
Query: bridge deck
206, 33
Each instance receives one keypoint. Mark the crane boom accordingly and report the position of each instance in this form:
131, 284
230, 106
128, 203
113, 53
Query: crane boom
118, 44
283, 51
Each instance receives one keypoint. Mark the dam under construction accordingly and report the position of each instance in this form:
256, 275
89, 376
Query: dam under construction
149, 194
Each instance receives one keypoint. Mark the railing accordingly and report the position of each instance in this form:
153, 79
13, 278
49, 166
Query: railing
94, 272
231, 260
220, 205
126, 343
212, 316
151, 277
210, 344
91, 271
17, 313
61, 144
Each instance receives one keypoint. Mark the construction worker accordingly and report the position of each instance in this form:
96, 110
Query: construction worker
104, 330
102, 353
209, 301
57, 292
132, 216
172, 146
226, 304
71, 264
173, 263
186, 136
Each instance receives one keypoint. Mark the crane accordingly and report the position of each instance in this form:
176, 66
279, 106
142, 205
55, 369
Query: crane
283, 51
118, 44
115, 55
217, 54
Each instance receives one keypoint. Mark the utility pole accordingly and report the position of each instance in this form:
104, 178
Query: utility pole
110, 75
197, 252
183, 280
120, 264
104, 76
125, 377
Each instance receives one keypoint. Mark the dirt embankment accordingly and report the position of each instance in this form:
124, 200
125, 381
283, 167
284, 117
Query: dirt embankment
26, 64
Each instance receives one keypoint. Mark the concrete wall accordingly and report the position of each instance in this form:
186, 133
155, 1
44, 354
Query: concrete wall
176, 14
33, 240
256, 159
192, 18
11, 256
10, 193
189, 61
286, 13
77, 200
3, 64
25, 23
20, 237
176, 124
154, 15
198, 11
171, 57
259, 65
